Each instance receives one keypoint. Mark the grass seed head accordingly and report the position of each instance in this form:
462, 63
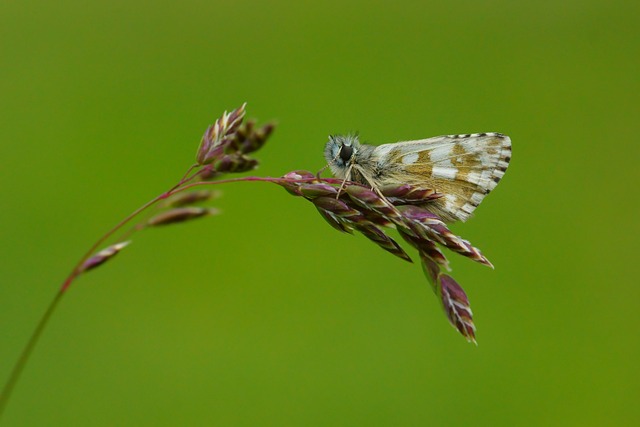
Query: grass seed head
103, 256
182, 214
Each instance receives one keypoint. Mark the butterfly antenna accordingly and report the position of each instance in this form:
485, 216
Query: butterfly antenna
327, 165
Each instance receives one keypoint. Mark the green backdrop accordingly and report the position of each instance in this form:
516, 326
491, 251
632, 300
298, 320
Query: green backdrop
265, 316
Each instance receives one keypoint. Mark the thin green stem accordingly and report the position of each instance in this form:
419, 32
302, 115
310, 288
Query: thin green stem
184, 184
184, 177
254, 179
26, 352
92, 249
18, 368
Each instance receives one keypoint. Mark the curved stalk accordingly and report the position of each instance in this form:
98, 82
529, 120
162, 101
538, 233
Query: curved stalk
18, 368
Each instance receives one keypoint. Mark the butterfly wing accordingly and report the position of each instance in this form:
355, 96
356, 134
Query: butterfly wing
465, 168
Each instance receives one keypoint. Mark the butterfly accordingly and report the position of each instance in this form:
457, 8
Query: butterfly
463, 168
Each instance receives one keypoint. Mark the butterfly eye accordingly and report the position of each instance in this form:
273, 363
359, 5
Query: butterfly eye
346, 152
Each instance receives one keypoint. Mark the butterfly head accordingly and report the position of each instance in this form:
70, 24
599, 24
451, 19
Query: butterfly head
340, 152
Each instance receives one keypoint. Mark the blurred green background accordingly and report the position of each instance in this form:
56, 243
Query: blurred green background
265, 316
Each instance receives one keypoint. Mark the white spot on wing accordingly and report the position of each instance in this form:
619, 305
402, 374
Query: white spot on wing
410, 158
444, 172
473, 177
477, 198
468, 208
440, 153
